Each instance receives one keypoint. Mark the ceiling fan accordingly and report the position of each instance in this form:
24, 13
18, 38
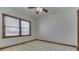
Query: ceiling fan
38, 9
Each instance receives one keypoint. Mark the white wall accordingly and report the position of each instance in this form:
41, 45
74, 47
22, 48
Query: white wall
10, 41
59, 26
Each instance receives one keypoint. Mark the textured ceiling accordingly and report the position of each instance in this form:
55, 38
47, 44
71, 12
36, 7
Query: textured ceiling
32, 12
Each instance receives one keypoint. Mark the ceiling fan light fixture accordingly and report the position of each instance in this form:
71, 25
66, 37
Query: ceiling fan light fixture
39, 9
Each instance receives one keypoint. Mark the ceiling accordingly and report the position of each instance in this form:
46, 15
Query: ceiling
32, 12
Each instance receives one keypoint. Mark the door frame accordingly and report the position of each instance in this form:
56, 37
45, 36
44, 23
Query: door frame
78, 30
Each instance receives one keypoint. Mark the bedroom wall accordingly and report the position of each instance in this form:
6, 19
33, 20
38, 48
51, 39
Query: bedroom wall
11, 41
59, 26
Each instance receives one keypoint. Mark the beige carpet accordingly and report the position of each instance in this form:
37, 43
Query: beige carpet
40, 46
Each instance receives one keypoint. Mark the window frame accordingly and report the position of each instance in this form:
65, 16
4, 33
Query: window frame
20, 29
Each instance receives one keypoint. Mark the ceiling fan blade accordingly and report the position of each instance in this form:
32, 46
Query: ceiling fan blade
37, 12
31, 7
45, 10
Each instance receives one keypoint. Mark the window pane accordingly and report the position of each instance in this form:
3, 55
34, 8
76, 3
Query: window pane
11, 26
9, 21
24, 24
25, 31
25, 28
11, 31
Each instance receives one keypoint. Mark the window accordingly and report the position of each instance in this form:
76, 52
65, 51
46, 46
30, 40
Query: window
14, 27
25, 28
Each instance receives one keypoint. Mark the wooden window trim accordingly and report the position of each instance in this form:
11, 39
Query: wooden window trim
20, 19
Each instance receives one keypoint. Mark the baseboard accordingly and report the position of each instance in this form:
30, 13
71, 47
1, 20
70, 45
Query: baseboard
16, 44
57, 43
37, 40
